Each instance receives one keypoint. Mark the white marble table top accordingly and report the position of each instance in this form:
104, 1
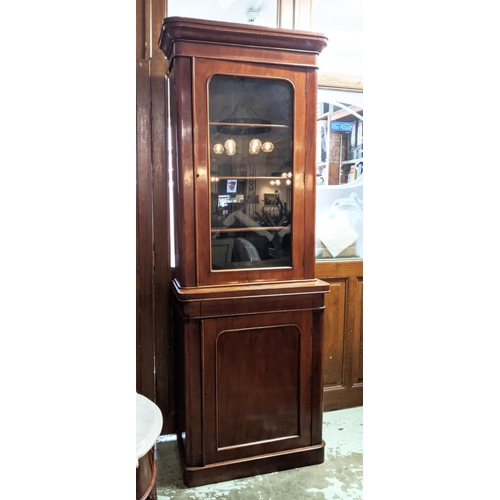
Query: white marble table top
149, 422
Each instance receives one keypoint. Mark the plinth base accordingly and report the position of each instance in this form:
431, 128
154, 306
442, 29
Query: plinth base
252, 466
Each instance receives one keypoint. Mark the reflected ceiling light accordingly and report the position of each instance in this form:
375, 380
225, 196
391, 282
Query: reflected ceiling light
218, 149
253, 16
254, 146
267, 147
230, 146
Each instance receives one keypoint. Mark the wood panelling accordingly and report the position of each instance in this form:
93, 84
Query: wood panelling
343, 333
145, 338
250, 390
155, 354
140, 29
335, 303
245, 358
357, 337
162, 272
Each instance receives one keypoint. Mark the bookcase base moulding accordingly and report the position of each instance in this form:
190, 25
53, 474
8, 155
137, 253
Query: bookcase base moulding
253, 466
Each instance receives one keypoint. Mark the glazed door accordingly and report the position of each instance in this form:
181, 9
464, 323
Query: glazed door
256, 384
249, 160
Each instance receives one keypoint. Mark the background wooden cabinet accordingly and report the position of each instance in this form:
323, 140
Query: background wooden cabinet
343, 348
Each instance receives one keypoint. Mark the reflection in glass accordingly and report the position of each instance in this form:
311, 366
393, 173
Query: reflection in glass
339, 178
251, 186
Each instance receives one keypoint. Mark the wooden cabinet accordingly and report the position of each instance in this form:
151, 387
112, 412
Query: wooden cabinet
248, 310
343, 333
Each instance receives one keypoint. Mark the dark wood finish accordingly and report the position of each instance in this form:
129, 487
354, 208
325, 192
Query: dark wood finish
145, 477
249, 341
250, 384
343, 332
288, 58
257, 392
150, 13
301, 233
180, 105
162, 274
145, 337
154, 352
251, 466
189, 74
203, 31
140, 28
151, 305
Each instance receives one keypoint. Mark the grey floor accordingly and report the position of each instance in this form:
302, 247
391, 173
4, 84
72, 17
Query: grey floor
339, 477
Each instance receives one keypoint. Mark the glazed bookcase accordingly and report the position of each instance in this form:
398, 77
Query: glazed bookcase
248, 324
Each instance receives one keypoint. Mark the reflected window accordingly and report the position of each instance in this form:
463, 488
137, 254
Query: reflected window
339, 175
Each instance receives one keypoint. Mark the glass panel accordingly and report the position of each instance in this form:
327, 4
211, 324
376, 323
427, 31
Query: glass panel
251, 170
339, 175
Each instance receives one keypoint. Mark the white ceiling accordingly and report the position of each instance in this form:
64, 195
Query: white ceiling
225, 10
340, 20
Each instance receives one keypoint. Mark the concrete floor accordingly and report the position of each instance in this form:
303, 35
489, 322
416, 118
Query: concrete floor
339, 477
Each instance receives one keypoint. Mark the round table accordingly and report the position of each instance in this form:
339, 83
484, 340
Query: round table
149, 422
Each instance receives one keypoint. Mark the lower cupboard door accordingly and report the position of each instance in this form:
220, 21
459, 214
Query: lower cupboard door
256, 384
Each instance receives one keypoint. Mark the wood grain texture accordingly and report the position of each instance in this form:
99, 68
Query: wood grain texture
145, 333
145, 477
251, 386
343, 331
162, 274
154, 336
250, 341
357, 333
304, 168
213, 32
246, 386
154, 357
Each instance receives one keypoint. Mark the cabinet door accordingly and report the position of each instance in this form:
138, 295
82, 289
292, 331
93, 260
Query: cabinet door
256, 384
249, 160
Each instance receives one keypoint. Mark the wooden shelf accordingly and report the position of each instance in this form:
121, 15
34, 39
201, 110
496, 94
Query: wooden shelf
254, 177
257, 125
247, 229
350, 162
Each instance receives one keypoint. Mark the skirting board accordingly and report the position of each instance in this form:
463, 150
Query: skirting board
252, 466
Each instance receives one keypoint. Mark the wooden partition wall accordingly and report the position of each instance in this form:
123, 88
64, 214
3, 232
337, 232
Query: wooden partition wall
155, 358
343, 333
155, 376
